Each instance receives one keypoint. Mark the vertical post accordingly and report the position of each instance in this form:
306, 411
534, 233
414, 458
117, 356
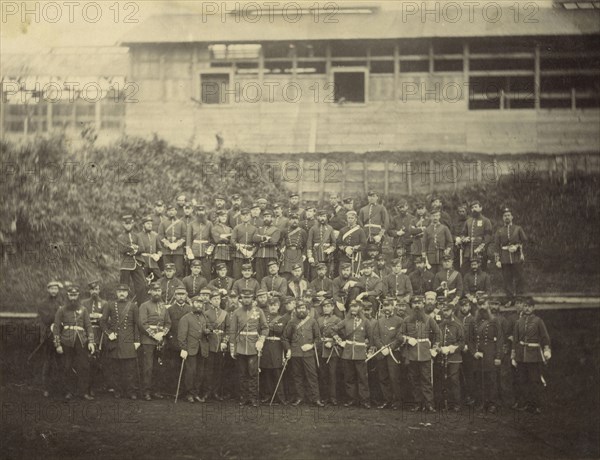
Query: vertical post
49, 116
365, 175
565, 170
537, 79
573, 100
196, 83
294, 61
478, 170
396, 70
369, 57
431, 175
431, 61
343, 178
261, 65
409, 177
328, 60
2, 111
386, 178
300, 184
466, 68
454, 175
161, 72
322, 180
496, 175
501, 99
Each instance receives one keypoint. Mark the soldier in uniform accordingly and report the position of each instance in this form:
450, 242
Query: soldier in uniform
100, 371
192, 338
246, 282
74, 337
422, 221
370, 285
172, 235
176, 310
199, 244
274, 283
150, 249
437, 242
397, 284
380, 268
47, 313
321, 283
180, 202
351, 242
437, 205
131, 261
509, 241
466, 320
217, 345
158, 217
297, 285
456, 230
423, 337
449, 359
421, 279
234, 214
169, 283
330, 353
531, 350
402, 227
476, 235
293, 245
353, 334
119, 323
154, 325
221, 235
279, 220
247, 334
374, 219
344, 289
222, 282
294, 207
219, 207
337, 218
195, 282
321, 244
256, 215
448, 282
241, 239
271, 363
267, 238
388, 338
477, 280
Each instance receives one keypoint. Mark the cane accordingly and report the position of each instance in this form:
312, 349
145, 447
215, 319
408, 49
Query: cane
316, 356
285, 361
482, 386
179, 381
258, 376
39, 346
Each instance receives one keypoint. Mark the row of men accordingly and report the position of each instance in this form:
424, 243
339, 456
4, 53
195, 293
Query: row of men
415, 354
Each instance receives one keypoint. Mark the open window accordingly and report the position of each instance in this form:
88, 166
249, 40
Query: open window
214, 87
350, 85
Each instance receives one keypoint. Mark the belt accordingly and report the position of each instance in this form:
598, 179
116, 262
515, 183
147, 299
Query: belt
352, 342
423, 340
222, 244
200, 241
292, 247
248, 333
274, 339
74, 328
154, 327
373, 225
531, 345
218, 331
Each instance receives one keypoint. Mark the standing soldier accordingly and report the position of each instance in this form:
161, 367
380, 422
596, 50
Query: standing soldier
448, 282
158, 217
176, 310
154, 324
345, 288
437, 205
217, 345
509, 241
169, 283
309, 218
256, 215
421, 279
476, 235
221, 235
330, 353
279, 220
353, 334
457, 230
531, 349
466, 320
267, 239
199, 241
437, 242
293, 245
131, 259
351, 242
338, 217
99, 366
449, 360
274, 283
423, 337
321, 244
241, 240
371, 286
234, 214
272, 359
477, 280
402, 227
247, 334
397, 284
374, 219
300, 340
150, 249
119, 323
74, 337
388, 338
172, 234
47, 313
195, 282
180, 201
294, 207
219, 206
422, 221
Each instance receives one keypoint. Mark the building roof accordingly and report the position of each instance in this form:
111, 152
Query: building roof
378, 24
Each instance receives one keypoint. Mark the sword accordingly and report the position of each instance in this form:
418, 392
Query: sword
258, 376
40, 345
179, 381
316, 356
285, 361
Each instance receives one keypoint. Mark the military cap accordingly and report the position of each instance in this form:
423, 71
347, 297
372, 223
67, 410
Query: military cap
300, 303
296, 266
205, 291
169, 266
505, 210
351, 213
321, 266
419, 205
188, 204
464, 301
476, 259
235, 196
276, 206
233, 294
293, 194
262, 201
372, 193
196, 263
247, 293
396, 262
529, 301
122, 287
462, 206
267, 212
355, 303
73, 289
475, 203
146, 219
200, 207
92, 284
171, 206
417, 299
402, 203
419, 260
261, 292
327, 303
387, 302
215, 293
321, 212
154, 286
380, 257
246, 267
366, 304
446, 306
495, 304
434, 198
367, 264
344, 265
180, 289
441, 299
254, 206
197, 298
294, 215
221, 212
244, 211
274, 300
220, 196
311, 207
348, 200
447, 257
53, 283
159, 203
272, 262
221, 266
127, 218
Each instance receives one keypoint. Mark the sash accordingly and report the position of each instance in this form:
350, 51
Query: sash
293, 232
452, 277
350, 232
221, 318
171, 225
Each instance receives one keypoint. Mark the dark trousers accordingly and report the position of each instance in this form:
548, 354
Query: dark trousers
194, 371
290, 390
214, 372
76, 357
101, 370
261, 267
485, 383
328, 376
139, 283
514, 281
304, 370
388, 374
176, 259
420, 375
468, 377
148, 368
50, 366
447, 383
230, 382
356, 379
125, 374
505, 382
529, 378
248, 372
270, 379
205, 267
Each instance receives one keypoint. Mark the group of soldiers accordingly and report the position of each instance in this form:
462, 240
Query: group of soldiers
225, 302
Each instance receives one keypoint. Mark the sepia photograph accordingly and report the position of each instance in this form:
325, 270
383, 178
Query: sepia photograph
300, 230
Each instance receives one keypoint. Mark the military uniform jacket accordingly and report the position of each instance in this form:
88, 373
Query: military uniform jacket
157, 220
320, 238
326, 324
256, 221
307, 224
293, 246
295, 210
194, 284
149, 244
47, 313
356, 332
128, 245
397, 285
382, 271
121, 317
275, 283
168, 287
417, 235
70, 325
468, 325
153, 318
337, 219
374, 218
192, 334
267, 249
273, 351
216, 319
301, 332
480, 231
452, 333
489, 341
354, 236
530, 337
176, 312
339, 293
172, 231
406, 224
222, 283
479, 281
245, 283
321, 284
421, 281
508, 235
281, 222
245, 328
453, 279
386, 331
95, 308
372, 285
199, 238
297, 288
221, 235
233, 217
212, 216
436, 239
427, 334
243, 234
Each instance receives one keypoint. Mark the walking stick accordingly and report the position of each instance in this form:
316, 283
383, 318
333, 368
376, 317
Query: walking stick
179, 381
258, 377
279, 381
316, 356
482, 386
445, 358
39, 346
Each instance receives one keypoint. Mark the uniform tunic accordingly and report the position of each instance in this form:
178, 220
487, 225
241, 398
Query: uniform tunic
530, 337
427, 334
149, 244
172, 231
245, 328
479, 230
356, 332
198, 237
70, 325
320, 238
276, 283
293, 246
221, 235
354, 237
436, 239
397, 285
374, 218
121, 317
153, 318
194, 284
273, 351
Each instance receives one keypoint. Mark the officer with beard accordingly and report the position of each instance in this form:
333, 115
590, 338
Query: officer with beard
176, 311
73, 338
321, 245
293, 245
99, 364
402, 227
47, 313
199, 245
466, 319
509, 241
476, 235
421, 279
234, 215
272, 360
274, 283
345, 288
267, 238
449, 360
216, 321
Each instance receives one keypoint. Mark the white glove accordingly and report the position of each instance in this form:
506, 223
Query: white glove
159, 336
328, 345
412, 341
385, 351
311, 260
173, 246
433, 352
183, 354
223, 346
59, 350
232, 351
342, 343
330, 250
400, 232
136, 345
189, 254
497, 362
288, 354
348, 251
499, 264
478, 355
91, 348
547, 354
513, 362
466, 348
428, 266
445, 350
377, 238
452, 348
259, 345
112, 336
306, 347
340, 306
156, 257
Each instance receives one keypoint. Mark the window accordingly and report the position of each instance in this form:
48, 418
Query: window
349, 85
214, 87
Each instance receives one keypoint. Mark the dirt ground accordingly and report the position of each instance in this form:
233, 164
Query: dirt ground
36, 427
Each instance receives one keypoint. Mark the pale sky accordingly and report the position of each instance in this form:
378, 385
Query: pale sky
73, 23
